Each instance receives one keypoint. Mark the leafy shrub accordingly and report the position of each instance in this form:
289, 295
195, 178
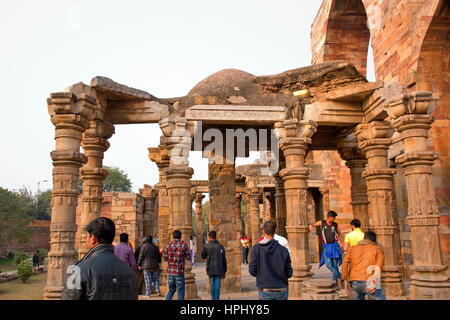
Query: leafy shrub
24, 270
19, 256
42, 255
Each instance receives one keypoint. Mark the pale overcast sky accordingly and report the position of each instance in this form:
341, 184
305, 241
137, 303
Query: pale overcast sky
162, 47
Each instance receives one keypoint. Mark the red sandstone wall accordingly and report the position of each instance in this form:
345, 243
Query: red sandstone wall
39, 237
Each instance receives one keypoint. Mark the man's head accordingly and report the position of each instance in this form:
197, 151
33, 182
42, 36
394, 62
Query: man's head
331, 216
176, 234
370, 235
100, 231
124, 237
212, 235
355, 223
149, 239
269, 229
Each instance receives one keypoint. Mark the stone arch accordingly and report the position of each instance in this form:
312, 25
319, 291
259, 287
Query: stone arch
433, 66
346, 34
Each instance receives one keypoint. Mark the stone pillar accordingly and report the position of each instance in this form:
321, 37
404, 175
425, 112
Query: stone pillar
412, 118
356, 162
238, 223
160, 156
95, 143
69, 113
179, 190
320, 289
253, 211
222, 198
295, 175
247, 215
280, 204
374, 140
199, 215
150, 219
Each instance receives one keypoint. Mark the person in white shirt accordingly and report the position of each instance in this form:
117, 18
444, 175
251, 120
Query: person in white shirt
283, 241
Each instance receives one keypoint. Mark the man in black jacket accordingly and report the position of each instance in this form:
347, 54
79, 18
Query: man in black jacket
149, 260
100, 274
270, 263
216, 263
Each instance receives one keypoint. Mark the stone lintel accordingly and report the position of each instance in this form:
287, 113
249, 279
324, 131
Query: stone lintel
334, 113
236, 114
354, 93
135, 111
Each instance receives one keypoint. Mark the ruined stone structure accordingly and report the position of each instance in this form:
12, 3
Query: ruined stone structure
331, 139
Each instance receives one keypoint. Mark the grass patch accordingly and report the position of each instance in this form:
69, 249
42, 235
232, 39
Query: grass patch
7, 264
33, 289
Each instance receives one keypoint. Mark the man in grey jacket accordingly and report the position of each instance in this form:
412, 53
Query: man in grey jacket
100, 274
216, 263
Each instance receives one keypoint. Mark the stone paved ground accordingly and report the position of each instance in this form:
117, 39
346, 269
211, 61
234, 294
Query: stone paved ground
249, 290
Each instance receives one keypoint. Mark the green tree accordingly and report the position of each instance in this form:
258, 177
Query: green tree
205, 217
117, 180
14, 218
44, 207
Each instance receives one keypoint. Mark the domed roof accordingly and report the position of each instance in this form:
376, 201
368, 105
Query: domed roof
224, 80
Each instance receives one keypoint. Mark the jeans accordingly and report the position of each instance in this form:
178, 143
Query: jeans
360, 288
176, 282
333, 265
214, 283
267, 295
245, 255
151, 279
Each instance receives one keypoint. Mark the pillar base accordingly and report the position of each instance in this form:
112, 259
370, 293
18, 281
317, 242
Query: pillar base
320, 289
296, 283
190, 288
431, 285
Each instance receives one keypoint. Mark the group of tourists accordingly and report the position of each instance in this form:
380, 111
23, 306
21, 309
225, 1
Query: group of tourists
116, 272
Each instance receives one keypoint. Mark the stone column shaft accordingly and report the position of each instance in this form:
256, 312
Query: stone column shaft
280, 204
412, 119
360, 201
295, 177
199, 215
69, 114
374, 140
95, 143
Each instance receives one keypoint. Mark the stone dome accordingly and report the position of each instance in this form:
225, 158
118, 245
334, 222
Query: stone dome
222, 81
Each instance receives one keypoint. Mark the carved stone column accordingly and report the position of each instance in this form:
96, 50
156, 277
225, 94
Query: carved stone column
222, 195
374, 140
179, 189
247, 221
238, 223
199, 215
253, 211
150, 219
95, 143
412, 118
280, 205
356, 162
294, 144
161, 158
70, 114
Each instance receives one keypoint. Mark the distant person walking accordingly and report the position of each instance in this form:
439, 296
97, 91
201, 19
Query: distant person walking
35, 259
245, 242
216, 264
366, 262
270, 263
331, 251
149, 261
191, 249
175, 254
100, 274
140, 272
356, 235
125, 252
